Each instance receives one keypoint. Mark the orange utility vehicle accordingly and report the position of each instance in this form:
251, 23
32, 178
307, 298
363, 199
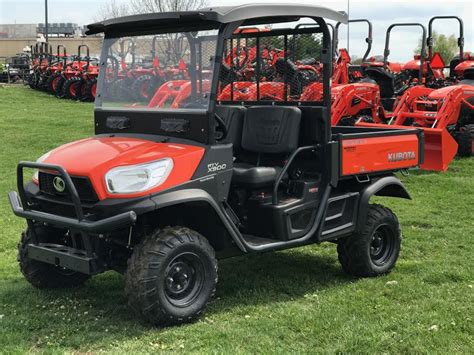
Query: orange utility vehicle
162, 193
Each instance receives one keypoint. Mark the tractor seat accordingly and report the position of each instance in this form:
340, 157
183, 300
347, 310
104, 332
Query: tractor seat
384, 79
268, 131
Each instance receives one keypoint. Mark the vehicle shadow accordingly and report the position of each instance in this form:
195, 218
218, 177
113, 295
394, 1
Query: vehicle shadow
99, 312
274, 277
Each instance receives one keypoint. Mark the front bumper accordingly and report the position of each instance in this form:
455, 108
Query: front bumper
82, 260
109, 224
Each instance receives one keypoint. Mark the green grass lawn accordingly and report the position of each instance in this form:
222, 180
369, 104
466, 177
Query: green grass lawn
291, 301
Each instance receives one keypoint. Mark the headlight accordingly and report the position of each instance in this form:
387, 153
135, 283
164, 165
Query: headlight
41, 159
137, 178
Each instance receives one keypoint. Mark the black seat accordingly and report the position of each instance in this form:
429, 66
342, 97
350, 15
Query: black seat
384, 79
233, 117
268, 131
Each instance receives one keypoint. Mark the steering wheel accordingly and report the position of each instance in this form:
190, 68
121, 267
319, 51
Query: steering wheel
221, 128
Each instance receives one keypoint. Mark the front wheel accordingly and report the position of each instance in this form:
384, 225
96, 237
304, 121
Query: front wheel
171, 276
42, 275
465, 140
374, 251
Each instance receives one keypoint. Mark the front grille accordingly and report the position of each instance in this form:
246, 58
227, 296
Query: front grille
83, 186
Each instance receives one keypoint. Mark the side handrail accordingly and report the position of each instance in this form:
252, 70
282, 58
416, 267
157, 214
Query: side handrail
286, 167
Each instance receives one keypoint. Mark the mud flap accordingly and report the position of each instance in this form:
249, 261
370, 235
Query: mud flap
440, 149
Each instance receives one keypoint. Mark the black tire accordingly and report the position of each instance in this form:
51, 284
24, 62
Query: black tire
145, 86
465, 140
88, 91
35, 78
375, 250
60, 86
49, 82
171, 276
42, 275
72, 88
43, 80
121, 90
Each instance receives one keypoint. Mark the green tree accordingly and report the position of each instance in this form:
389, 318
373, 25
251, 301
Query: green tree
446, 46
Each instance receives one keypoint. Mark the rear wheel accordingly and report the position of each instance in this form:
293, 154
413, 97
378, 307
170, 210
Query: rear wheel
90, 90
465, 140
60, 86
145, 86
374, 251
43, 275
171, 276
52, 82
72, 88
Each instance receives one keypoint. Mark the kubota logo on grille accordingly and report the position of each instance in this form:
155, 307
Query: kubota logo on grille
400, 156
59, 184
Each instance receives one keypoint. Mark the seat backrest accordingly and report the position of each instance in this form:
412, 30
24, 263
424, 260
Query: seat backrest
453, 64
271, 129
384, 79
233, 117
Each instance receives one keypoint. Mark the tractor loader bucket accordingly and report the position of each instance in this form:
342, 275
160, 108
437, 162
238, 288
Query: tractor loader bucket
440, 149
440, 146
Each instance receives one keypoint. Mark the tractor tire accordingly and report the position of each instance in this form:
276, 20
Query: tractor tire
90, 90
121, 90
42, 81
60, 86
42, 275
52, 82
465, 140
72, 88
144, 87
35, 78
374, 251
171, 276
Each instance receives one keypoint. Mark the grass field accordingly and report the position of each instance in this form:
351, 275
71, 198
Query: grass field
292, 301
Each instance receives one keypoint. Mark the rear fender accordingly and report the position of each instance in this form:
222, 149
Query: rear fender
387, 186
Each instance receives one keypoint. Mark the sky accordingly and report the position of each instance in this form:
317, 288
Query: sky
382, 13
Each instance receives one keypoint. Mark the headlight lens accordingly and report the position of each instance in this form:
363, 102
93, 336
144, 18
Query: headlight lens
41, 159
137, 178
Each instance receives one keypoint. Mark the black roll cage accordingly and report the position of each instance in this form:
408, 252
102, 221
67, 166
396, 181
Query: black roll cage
226, 31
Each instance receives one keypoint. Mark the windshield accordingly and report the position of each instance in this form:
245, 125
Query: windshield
158, 72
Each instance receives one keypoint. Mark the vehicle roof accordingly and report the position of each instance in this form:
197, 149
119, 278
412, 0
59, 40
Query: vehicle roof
211, 17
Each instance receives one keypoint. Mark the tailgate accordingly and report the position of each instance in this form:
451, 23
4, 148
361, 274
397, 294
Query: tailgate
371, 150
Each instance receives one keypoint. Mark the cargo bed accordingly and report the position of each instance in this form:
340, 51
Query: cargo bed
370, 150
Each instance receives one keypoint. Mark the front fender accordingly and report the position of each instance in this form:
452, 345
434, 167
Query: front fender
386, 186
197, 195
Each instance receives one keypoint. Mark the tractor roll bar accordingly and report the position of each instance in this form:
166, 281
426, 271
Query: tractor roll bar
368, 39
130, 49
88, 58
330, 25
430, 42
386, 51
64, 59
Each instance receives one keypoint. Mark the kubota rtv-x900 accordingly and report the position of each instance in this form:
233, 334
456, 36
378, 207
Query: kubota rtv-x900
160, 193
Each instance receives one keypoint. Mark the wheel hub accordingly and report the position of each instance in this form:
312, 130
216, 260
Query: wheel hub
184, 279
381, 245
179, 277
